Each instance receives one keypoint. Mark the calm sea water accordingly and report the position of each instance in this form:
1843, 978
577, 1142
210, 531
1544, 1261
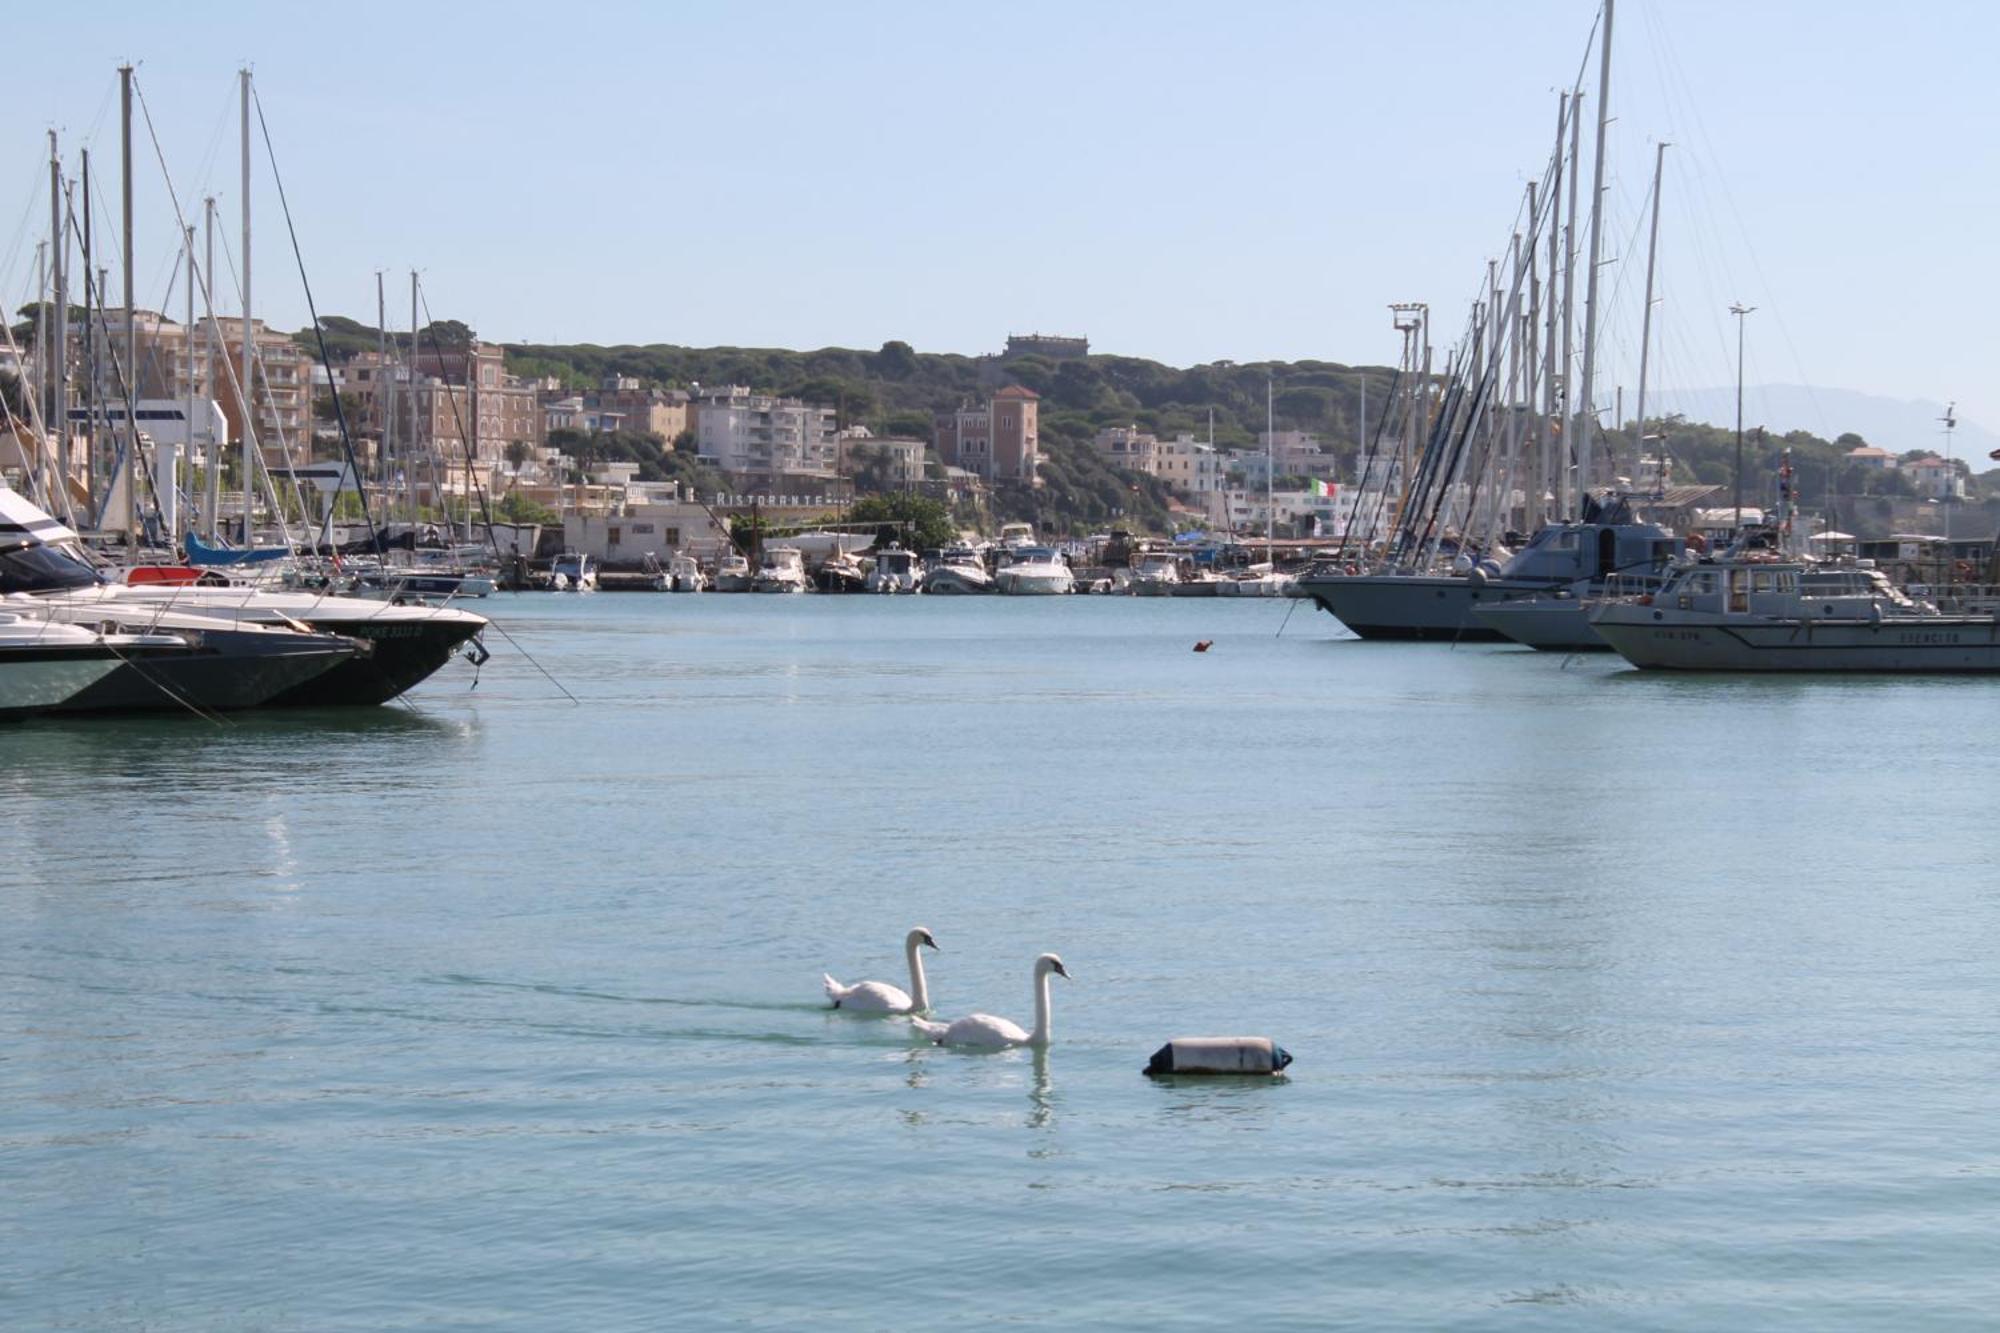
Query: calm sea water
1617, 1000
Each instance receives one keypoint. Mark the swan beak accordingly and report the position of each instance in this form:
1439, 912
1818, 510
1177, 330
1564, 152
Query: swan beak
931, 943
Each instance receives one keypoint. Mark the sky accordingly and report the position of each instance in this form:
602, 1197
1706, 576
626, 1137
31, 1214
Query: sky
1186, 182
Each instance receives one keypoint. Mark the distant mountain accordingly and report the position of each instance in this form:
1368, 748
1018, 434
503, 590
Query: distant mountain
1895, 424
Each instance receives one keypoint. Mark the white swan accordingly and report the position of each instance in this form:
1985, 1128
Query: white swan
994, 1033
879, 997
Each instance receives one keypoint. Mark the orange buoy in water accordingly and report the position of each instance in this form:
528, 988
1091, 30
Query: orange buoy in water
1204, 645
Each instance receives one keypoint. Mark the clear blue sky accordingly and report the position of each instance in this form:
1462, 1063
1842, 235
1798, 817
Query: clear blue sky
1179, 181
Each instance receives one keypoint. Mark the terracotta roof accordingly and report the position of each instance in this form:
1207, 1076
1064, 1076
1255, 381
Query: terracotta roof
1016, 391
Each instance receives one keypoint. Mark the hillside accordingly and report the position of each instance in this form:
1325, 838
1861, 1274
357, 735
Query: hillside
895, 390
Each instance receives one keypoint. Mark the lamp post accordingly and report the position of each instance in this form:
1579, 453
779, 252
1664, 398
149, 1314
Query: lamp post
1739, 310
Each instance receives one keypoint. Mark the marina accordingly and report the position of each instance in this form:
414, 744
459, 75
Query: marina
1116, 746
1549, 1071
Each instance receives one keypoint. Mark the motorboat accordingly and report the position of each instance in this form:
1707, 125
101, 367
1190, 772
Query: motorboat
44, 663
1014, 536
1033, 571
573, 571
41, 557
958, 571
1258, 581
733, 573
896, 570
1155, 574
783, 570
684, 574
841, 572
1779, 615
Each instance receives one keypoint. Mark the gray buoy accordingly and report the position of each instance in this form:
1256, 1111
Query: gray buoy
1219, 1055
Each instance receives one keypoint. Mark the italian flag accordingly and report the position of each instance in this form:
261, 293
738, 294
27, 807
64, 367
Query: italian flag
1324, 490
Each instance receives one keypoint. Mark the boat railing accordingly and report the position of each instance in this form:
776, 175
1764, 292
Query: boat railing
1959, 599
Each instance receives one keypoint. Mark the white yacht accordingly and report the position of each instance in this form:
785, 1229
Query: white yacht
896, 570
1033, 571
958, 570
732, 573
1789, 616
1156, 574
684, 574
1013, 536
783, 570
1259, 581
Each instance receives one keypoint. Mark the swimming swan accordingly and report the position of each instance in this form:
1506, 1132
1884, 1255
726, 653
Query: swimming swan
879, 997
994, 1033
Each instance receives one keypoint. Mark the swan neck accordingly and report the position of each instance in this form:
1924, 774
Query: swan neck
1043, 1028
920, 995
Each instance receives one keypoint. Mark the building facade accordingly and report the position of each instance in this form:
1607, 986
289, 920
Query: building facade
757, 437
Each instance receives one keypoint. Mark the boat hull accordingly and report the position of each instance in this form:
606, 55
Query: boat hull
399, 654
225, 671
1548, 624
37, 680
1927, 644
1413, 606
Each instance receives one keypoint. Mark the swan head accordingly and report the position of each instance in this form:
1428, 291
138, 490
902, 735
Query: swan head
920, 936
1049, 962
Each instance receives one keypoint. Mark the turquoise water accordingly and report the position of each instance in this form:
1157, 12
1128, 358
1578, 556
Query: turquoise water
1617, 1000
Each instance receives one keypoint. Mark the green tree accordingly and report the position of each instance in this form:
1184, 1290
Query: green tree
920, 521
896, 361
517, 453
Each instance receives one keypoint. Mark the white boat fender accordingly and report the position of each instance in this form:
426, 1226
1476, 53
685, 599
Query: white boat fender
1219, 1055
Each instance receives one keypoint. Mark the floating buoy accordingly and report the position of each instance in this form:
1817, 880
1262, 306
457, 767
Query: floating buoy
1219, 1055
1204, 645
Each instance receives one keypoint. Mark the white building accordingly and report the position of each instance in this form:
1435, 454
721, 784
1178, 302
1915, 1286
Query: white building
1934, 479
1128, 447
902, 460
758, 435
658, 530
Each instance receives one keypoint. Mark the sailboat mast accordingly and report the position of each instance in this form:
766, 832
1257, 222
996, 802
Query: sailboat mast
131, 325
382, 410
212, 455
1270, 472
1587, 409
247, 390
92, 299
57, 374
1552, 428
409, 445
1646, 321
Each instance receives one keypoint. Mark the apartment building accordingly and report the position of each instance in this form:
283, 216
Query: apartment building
174, 360
758, 437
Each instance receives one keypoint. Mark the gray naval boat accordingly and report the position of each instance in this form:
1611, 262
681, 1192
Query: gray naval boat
1791, 616
1397, 605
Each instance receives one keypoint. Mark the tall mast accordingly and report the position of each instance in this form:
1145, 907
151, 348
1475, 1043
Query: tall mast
1553, 434
131, 468
1646, 321
170, 494
92, 299
246, 389
212, 455
1270, 472
40, 391
1587, 411
382, 410
1568, 459
56, 376
409, 445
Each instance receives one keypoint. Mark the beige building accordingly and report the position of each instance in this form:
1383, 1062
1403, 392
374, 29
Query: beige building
174, 359
661, 412
1000, 443
899, 462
